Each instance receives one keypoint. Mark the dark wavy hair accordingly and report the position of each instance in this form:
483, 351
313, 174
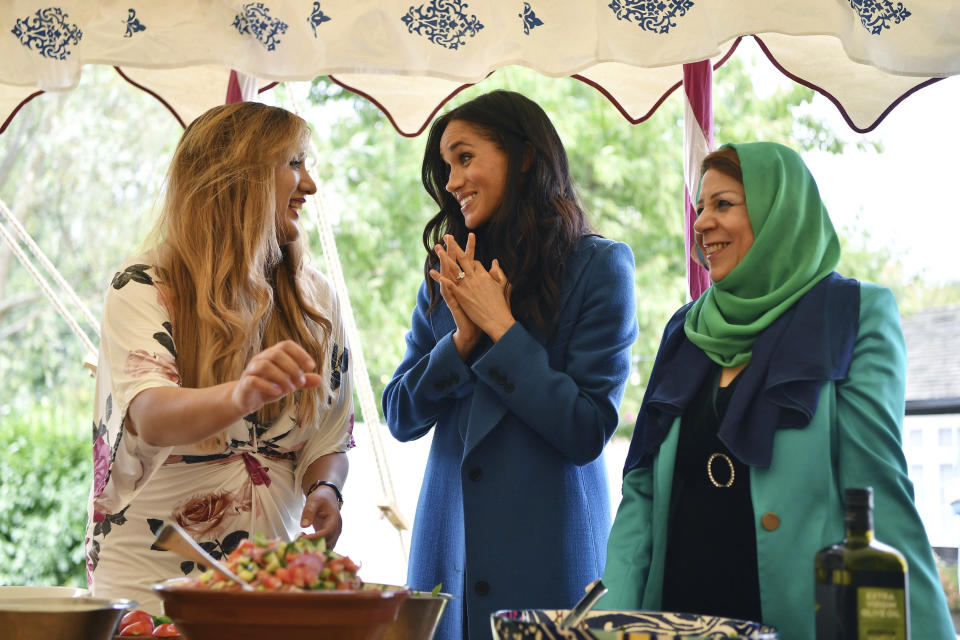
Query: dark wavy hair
540, 217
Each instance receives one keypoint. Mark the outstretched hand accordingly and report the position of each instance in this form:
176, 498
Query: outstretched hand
272, 374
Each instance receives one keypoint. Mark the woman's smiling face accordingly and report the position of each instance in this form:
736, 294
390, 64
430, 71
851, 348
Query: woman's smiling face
723, 230
292, 184
478, 171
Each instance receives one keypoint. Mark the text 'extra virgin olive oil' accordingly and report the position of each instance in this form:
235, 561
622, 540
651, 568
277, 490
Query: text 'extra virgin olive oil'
861, 584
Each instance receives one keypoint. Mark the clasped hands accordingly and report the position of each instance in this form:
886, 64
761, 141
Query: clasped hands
478, 299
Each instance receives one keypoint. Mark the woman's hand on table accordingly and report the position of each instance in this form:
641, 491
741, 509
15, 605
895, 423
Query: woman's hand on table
322, 511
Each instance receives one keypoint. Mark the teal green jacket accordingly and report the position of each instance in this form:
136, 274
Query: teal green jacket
853, 440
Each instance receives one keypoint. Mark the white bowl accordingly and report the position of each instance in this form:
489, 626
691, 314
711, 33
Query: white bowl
42, 592
59, 618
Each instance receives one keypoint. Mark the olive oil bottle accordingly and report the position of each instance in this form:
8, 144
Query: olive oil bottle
861, 586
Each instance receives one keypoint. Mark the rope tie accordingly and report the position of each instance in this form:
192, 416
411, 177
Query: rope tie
368, 406
44, 285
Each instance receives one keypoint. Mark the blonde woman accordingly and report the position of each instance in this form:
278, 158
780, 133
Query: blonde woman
223, 398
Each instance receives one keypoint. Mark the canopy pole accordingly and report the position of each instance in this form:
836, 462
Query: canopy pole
241, 87
697, 143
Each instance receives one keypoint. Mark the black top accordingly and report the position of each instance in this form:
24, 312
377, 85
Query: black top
711, 563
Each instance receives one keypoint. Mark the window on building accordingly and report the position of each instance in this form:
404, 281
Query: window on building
945, 437
946, 483
916, 477
916, 438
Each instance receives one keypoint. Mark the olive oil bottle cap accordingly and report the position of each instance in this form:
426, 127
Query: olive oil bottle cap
859, 497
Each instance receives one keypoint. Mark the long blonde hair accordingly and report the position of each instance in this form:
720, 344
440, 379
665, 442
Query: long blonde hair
232, 289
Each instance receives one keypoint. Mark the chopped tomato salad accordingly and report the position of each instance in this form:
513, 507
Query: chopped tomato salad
275, 565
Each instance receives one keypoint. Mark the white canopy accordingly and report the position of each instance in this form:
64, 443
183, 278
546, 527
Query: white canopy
865, 55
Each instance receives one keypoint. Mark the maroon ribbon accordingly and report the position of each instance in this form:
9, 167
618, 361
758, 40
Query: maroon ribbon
258, 472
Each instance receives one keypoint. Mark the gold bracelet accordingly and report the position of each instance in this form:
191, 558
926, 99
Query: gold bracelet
327, 483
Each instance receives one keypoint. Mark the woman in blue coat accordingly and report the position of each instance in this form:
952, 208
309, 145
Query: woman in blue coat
517, 359
779, 388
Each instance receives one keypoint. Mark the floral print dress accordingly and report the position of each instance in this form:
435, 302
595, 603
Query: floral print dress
252, 484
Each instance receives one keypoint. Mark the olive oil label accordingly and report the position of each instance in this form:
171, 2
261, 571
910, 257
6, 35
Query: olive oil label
881, 614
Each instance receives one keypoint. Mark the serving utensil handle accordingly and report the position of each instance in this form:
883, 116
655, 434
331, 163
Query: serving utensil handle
595, 591
173, 538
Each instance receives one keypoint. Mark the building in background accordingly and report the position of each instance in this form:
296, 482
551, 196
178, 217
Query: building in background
931, 429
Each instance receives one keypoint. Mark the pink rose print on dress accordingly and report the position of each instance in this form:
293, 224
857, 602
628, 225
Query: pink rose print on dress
140, 363
208, 516
91, 557
101, 465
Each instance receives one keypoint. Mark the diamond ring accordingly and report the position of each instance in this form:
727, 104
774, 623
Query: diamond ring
461, 275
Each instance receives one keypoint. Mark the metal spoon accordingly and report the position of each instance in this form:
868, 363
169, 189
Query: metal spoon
594, 592
172, 537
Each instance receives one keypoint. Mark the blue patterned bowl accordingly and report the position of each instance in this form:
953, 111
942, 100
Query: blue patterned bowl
624, 625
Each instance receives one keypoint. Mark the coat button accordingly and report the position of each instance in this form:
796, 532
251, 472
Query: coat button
770, 521
482, 587
475, 474
508, 387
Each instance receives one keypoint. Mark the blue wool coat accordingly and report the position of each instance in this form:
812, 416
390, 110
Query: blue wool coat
852, 440
514, 510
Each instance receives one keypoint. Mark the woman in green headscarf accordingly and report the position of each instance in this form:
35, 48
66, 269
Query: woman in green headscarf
781, 386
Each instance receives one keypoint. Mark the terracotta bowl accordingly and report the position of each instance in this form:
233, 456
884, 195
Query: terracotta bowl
206, 614
419, 617
60, 618
626, 625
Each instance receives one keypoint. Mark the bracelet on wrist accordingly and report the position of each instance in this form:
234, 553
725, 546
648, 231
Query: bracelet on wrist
326, 483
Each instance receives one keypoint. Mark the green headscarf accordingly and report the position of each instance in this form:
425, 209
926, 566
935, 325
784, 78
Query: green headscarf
794, 247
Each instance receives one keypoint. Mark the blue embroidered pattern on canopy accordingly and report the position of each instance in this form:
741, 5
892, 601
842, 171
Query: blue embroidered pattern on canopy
530, 19
133, 24
875, 14
317, 17
48, 33
657, 16
256, 21
443, 22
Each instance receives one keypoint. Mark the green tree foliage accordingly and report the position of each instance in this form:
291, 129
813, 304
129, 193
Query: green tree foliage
82, 172
44, 481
